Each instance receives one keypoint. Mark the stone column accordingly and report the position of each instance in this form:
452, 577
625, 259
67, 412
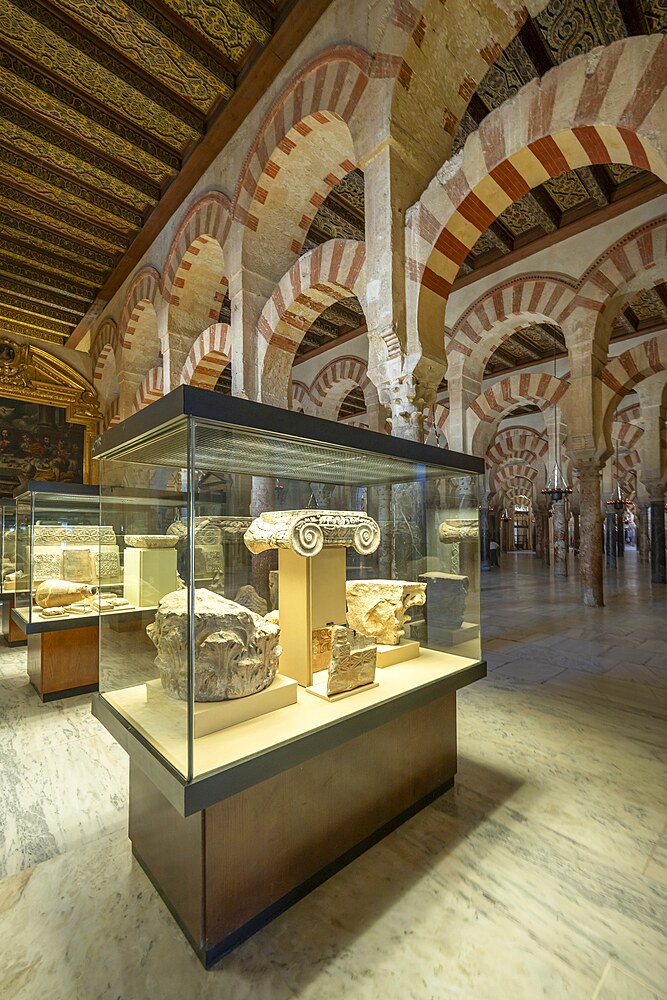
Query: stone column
262, 498
590, 549
575, 533
610, 542
657, 521
620, 533
643, 544
559, 513
484, 538
386, 547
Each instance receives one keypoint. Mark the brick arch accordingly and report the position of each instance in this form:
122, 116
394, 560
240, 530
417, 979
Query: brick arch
626, 433
143, 293
601, 107
301, 401
636, 260
329, 86
517, 441
105, 376
207, 220
334, 381
209, 356
150, 389
106, 336
621, 374
333, 271
512, 472
501, 311
485, 413
628, 462
111, 415
631, 413
435, 424
303, 149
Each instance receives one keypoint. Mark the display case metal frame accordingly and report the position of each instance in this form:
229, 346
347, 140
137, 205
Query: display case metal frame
12, 634
185, 829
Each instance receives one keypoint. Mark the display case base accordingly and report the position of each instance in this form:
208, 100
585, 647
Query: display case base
226, 871
62, 664
11, 632
319, 689
388, 656
449, 637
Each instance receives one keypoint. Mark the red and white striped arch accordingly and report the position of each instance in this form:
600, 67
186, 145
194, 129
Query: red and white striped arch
626, 370
326, 90
209, 356
334, 381
486, 412
589, 110
331, 272
518, 442
502, 311
626, 434
636, 261
207, 221
301, 401
150, 390
142, 295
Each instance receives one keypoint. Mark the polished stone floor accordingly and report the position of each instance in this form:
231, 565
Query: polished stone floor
543, 874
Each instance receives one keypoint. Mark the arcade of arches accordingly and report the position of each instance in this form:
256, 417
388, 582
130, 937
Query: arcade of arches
439, 220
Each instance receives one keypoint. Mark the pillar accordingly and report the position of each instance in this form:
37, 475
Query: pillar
610, 543
484, 538
657, 525
643, 544
559, 514
590, 548
620, 533
575, 533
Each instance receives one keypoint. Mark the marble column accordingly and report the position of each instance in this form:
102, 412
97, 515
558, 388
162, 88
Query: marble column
484, 539
575, 533
559, 514
643, 544
590, 549
610, 543
657, 518
539, 533
620, 533
262, 498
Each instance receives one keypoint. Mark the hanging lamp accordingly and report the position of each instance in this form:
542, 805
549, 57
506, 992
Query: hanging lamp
557, 486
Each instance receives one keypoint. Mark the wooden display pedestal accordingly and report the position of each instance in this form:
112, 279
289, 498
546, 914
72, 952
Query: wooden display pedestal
13, 635
65, 662
227, 870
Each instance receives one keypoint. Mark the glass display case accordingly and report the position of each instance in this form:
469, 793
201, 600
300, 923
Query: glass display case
58, 556
302, 583
8, 545
263, 546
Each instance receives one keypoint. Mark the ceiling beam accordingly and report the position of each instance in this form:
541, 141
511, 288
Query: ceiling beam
266, 67
525, 344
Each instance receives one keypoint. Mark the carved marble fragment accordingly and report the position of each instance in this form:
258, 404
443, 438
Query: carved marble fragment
60, 593
457, 531
249, 598
151, 541
308, 531
353, 659
378, 607
236, 651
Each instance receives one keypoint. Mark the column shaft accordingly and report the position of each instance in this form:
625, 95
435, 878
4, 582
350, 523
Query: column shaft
658, 568
559, 514
590, 549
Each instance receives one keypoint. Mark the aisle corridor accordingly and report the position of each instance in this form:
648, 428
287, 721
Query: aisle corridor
543, 874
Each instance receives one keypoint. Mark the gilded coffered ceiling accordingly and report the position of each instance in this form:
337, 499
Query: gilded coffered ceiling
100, 103
565, 28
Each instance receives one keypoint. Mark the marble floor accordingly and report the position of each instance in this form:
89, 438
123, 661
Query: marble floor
543, 874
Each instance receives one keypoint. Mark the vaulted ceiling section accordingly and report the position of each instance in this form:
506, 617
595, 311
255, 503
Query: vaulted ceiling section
102, 102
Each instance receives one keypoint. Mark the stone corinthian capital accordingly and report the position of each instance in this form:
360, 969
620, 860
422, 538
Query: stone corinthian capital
307, 532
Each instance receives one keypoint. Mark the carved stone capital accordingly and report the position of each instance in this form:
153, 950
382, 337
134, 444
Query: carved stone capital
307, 532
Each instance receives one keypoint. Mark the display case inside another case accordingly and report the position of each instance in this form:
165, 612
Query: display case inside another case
326, 595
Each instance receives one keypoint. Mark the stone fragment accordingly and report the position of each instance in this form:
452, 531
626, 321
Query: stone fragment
249, 598
352, 660
151, 541
78, 565
457, 531
236, 651
308, 531
60, 593
273, 588
447, 594
378, 607
321, 648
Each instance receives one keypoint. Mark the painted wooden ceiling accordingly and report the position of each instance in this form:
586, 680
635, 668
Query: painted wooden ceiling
565, 28
101, 102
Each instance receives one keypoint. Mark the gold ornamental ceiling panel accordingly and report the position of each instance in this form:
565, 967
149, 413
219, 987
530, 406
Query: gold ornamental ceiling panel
101, 101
